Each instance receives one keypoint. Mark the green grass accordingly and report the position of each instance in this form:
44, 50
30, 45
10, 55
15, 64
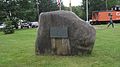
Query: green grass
18, 50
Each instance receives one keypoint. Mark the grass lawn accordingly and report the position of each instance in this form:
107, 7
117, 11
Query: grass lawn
17, 50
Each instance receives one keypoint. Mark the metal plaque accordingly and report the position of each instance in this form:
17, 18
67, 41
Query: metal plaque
58, 32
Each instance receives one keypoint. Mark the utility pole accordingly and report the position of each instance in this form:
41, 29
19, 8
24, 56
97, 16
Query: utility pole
70, 6
37, 3
60, 5
87, 10
106, 5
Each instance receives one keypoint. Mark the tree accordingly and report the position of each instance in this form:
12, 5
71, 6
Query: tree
8, 29
2, 13
47, 5
77, 10
98, 5
25, 9
22, 9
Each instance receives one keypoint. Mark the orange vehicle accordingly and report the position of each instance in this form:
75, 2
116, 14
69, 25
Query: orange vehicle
99, 17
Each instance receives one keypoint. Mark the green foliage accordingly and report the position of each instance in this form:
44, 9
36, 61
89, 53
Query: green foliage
18, 50
2, 12
47, 5
112, 3
25, 9
78, 11
8, 30
9, 27
15, 22
98, 5
8, 22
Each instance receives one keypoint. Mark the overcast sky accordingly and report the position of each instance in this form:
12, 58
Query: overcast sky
73, 2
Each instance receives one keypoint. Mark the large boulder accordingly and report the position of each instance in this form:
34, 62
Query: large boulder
81, 35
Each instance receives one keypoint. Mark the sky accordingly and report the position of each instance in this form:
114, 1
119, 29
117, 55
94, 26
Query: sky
73, 2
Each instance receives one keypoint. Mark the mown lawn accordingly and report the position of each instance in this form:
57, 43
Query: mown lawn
17, 50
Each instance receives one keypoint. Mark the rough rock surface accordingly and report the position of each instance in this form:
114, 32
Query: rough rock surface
81, 34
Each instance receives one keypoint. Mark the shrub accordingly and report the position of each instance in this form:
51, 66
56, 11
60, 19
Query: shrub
9, 29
